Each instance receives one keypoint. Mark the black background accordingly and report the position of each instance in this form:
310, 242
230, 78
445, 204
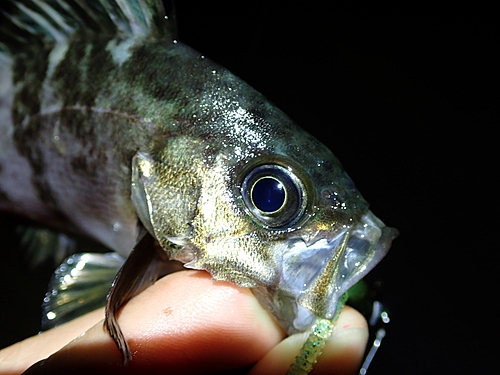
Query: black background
407, 100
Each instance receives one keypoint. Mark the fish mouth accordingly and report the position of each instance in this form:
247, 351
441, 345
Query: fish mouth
315, 276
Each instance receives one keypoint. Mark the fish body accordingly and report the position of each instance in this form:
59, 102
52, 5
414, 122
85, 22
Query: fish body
112, 129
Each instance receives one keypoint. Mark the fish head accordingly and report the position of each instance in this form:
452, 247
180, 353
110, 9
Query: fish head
245, 194
318, 225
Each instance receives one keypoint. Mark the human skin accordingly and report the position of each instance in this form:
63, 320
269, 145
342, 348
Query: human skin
186, 323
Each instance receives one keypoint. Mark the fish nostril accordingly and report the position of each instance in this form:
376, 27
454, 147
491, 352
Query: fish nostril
328, 194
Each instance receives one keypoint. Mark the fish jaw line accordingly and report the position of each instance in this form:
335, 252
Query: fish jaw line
315, 276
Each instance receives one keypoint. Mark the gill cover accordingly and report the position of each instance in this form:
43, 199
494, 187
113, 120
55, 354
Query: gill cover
167, 219
141, 165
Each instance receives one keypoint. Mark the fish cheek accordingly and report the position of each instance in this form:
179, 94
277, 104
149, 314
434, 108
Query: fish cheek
245, 261
230, 245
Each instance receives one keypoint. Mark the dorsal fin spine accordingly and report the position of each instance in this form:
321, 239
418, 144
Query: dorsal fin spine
54, 21
56, 16
43, 21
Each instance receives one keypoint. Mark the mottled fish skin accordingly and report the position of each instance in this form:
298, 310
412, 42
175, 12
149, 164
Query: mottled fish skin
66, 148
103, 128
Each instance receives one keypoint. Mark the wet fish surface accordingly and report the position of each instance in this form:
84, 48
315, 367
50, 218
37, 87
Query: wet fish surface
113, 130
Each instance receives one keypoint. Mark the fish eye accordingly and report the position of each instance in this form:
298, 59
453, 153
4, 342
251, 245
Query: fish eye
268, 194
274, 195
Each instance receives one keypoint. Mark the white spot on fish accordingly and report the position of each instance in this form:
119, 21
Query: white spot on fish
56, 56
120, 51
50, 101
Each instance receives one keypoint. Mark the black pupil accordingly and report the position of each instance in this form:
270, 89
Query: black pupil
268, 194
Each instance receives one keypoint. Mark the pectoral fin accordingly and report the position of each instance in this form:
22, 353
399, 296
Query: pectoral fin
78, 286
146, 264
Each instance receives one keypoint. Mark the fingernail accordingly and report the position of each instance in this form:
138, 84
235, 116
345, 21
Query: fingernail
36, 369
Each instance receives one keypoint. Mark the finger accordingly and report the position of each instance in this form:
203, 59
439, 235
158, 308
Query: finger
342, 355
185, 323
18, 357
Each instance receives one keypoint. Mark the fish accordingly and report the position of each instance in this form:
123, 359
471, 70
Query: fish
137, 156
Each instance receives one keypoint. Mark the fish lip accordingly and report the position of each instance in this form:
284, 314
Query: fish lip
316, 275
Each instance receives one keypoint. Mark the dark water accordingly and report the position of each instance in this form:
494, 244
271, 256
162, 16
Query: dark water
405, 97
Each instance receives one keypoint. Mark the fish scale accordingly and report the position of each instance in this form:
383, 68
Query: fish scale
114, 130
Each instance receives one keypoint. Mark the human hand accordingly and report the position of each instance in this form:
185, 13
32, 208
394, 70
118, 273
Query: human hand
190, 324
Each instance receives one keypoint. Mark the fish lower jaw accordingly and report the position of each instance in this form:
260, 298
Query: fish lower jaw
314, 278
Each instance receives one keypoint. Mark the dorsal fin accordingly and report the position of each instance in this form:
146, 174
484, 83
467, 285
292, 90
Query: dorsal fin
52, 21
